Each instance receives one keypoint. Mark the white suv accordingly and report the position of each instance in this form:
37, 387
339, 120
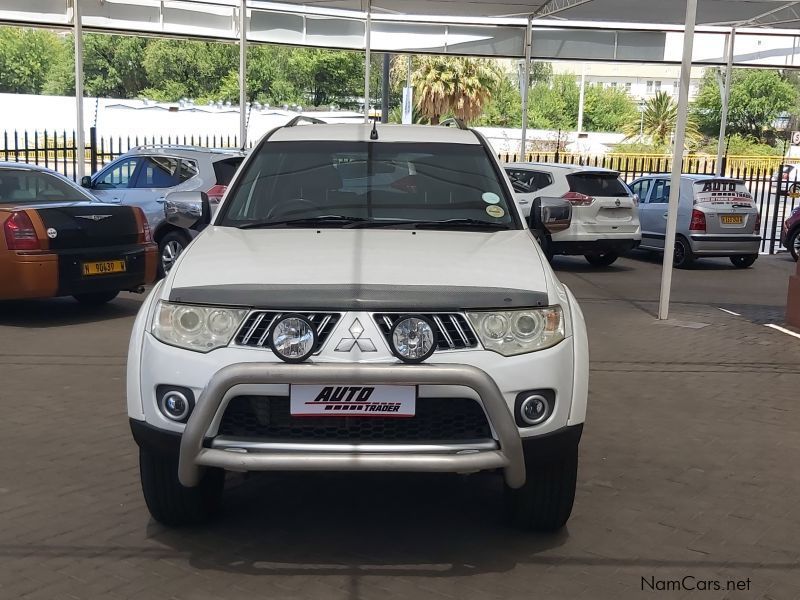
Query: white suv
605, 215
363, 300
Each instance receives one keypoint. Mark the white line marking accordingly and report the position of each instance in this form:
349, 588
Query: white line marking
730, 312
783, 329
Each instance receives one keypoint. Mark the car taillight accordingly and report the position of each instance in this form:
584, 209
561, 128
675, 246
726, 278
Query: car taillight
757, 228
215, 193
578, 199
698, 222
19, 232
146, 233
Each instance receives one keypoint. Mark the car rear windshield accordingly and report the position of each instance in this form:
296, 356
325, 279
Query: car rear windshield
378, 183
597, 184
19, 186
225, 169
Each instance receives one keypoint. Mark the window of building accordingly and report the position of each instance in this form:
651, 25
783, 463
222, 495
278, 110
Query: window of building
658, 86
650, 87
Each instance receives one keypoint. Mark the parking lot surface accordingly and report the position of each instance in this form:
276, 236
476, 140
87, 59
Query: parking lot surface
689, 470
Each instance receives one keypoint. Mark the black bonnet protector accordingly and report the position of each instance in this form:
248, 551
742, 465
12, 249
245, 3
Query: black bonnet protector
411, 298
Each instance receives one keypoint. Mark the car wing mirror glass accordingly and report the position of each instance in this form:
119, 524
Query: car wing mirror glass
86, 182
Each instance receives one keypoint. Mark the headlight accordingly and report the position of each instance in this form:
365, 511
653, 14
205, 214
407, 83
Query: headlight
199, 328
519, 331
293, 338
413, 339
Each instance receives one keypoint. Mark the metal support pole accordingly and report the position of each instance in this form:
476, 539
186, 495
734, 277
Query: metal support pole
581, 97
387, 64
726, 94
526, 78
243, 74
80, 140
367, 60
677, 159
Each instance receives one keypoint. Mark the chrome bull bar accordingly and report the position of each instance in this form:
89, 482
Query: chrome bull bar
193, 456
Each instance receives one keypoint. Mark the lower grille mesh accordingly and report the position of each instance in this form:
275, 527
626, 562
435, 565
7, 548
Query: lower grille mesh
437, 419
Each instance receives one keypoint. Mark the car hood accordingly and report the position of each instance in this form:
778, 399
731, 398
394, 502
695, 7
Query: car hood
225, 264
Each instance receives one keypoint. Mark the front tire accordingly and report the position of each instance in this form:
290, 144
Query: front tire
683, 257
545, 502
169, 502
743, 261
96, 298
794, 243
169, 248
603, 259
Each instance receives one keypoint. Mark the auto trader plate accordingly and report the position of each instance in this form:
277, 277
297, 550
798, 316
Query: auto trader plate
353, 400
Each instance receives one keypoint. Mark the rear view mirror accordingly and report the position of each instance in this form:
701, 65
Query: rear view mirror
188, 210
550, 215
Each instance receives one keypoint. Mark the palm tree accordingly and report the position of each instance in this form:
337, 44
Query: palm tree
659, 120
455, 86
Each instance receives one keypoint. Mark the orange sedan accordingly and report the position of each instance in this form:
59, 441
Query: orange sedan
57, 240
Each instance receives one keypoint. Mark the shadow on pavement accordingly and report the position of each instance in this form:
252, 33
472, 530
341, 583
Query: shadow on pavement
57, 312
579, 265
368, 524
701, 264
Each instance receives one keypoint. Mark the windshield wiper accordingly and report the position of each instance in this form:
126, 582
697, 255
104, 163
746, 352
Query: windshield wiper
424, 224
305, 221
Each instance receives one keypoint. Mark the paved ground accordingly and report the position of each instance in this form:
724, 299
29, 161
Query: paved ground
689, 467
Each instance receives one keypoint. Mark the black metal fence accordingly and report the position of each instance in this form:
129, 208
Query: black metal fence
57, 150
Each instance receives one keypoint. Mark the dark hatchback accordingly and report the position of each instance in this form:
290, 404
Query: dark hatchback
56, 240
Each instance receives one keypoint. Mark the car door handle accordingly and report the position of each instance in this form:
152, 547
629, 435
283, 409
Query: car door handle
116, 200
161, 200
665, 215
522, 201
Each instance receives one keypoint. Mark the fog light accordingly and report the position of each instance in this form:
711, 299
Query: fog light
534, 409
175, 403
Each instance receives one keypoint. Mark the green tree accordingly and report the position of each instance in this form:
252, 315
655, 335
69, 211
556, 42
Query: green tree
445, 85
26, 57
607, 109
757, 98
327, 76
659, 121
505, 106
554, 104
177, 68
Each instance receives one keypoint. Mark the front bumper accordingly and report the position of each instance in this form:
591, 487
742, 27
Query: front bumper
506, 454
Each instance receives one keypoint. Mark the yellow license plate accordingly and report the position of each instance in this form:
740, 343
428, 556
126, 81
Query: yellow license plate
732, 219
105, 267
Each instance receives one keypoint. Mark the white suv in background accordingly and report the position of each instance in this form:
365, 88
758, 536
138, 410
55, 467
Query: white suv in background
605, 215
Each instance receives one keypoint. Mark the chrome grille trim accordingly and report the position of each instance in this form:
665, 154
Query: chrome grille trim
453, 330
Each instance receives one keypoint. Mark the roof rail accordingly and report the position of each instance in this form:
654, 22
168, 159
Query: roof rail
454, 122
303, 118
183, 147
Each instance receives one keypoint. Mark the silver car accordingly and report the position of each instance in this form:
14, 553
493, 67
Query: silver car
144, 176
716, 217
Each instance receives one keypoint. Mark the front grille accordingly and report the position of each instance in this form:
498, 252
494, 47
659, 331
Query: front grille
451, 329
436, 419
255, 330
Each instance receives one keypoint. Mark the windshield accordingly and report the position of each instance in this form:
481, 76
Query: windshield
346, 184
19, 186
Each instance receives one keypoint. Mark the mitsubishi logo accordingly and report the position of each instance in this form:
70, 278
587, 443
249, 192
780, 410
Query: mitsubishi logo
348, 343
618, 202
93, 217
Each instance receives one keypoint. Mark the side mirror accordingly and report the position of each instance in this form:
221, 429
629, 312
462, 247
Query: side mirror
86, 182
550, 215
188, 210
636, 199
